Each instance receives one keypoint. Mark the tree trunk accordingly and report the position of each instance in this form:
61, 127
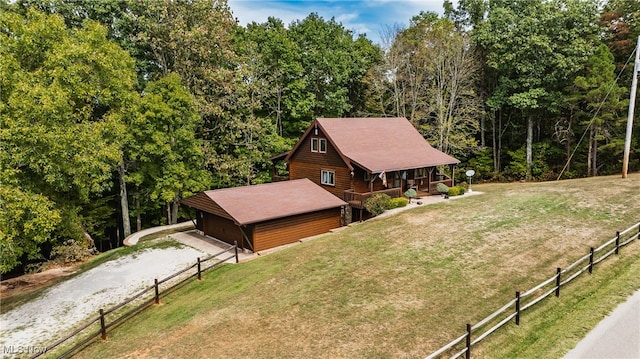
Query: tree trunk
124, 201
496, 168
594, 156
138, 216
529, 146
174, 210
569, 142
590, 153
482, 130
168, 210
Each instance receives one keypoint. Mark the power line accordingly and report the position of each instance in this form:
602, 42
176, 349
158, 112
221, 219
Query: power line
614, 83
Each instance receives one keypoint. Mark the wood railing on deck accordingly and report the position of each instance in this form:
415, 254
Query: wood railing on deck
356, 199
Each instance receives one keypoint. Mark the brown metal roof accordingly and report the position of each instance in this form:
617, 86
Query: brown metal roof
258, 203
382, 144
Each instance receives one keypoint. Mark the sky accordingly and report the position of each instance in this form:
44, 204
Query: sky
361, 16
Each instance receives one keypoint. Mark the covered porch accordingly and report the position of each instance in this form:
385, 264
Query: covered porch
423, 180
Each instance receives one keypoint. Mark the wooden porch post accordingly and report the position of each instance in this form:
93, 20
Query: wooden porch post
429, 179
453, 175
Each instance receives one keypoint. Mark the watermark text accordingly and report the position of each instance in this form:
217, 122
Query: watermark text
23, 349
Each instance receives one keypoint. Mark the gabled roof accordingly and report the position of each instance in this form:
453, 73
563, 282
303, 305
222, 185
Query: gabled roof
263, 202
379, 144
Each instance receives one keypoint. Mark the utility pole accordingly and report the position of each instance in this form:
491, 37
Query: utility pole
632, 104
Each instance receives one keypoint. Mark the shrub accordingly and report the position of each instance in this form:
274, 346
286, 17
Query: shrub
456, 191
442, 188
72, 251
398, 202
377, 203
464, 186
411, 193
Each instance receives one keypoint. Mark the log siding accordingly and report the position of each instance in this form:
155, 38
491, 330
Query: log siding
291, 229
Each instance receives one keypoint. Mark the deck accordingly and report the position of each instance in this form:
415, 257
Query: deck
356, 199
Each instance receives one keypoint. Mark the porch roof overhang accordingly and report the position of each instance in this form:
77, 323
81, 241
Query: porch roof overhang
378, 169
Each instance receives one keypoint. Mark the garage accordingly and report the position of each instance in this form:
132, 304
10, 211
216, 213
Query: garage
268, 215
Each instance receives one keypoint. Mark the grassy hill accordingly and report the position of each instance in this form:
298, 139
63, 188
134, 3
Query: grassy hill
405, 285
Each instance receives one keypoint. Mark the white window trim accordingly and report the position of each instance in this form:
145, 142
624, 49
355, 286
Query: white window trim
331, 176
317, 145
320, 142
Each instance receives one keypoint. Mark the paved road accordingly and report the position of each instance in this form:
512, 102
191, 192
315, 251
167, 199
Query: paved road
616, 336
133, 238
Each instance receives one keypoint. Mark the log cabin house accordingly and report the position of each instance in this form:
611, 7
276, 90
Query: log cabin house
268, 215
354, 158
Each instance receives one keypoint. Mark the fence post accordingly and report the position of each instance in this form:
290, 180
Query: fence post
558, 272
467, 354
157, 292
517, 308
591, 260
236, 248
103, 327
199, 273
617, 241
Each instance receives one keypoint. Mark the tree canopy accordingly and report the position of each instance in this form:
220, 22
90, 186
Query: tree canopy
115, 110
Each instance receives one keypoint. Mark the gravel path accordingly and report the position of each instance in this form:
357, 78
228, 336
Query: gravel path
73, 301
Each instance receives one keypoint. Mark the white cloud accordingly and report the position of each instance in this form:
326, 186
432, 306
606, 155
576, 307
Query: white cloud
248, 11
360, 16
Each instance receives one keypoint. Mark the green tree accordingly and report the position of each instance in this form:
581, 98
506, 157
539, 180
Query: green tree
601, 106
274, 65
334, 66
26, 222
62, 102
169, 158
536, 49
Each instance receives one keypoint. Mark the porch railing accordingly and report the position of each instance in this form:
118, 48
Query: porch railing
357, 199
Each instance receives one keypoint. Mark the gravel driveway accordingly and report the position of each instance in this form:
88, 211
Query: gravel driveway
61, 307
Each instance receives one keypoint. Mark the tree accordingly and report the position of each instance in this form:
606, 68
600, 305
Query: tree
62, 103
169, 158
274, 66
601, 105
430, 78
27, 221
536, 49
334, 66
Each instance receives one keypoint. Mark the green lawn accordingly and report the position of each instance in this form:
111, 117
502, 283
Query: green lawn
405, 285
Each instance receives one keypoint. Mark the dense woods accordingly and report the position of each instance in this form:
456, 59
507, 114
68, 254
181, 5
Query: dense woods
113, 111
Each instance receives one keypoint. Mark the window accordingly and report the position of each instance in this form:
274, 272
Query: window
367, 176
319, 145
323, 145
420, 172
396, 180
328, 178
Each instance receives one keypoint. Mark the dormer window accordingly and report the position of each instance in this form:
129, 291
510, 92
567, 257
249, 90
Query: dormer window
319, 145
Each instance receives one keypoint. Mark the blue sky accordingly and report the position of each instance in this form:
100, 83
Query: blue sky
360, 16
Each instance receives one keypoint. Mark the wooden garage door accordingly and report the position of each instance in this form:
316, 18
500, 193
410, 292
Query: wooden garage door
288, 230
222, 229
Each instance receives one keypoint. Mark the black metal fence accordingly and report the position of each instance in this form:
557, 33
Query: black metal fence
525, 300
110, 318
